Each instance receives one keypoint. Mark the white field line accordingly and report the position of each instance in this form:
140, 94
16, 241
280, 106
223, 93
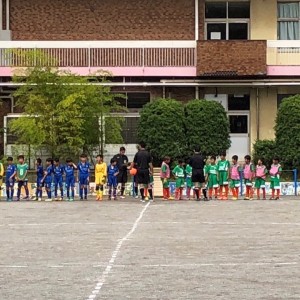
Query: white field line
114, 255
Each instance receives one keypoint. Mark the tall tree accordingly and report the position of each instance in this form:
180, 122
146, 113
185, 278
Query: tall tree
62, 111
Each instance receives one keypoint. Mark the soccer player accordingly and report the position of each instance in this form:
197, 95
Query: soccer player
179, 175
122, 164
22, 170
260, 179
47, 179
248, 176
212, 178
69, 170
275, 173
83, 176
11, 172
165, 177
235, 180
58, 171
112, 172
223, 166
189, 184
100, 176
39, 179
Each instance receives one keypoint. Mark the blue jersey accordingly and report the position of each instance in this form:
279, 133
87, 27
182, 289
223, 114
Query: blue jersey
49, 172
39, 172
84, 169
58, 171
69, 170
10, 170
112, 170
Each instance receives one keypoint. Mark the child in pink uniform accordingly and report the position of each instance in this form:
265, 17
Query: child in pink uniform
248, 176
235, 177
260, 179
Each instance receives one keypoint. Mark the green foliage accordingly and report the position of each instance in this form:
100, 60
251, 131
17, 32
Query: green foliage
207, 125
266, 150
161, 127
287, 132
62, 110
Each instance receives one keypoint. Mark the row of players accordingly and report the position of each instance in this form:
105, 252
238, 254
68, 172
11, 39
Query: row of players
54, 172
222, 175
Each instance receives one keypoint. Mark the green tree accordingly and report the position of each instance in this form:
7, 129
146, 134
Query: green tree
62, 111
264, 149
287, 132
207, 125
161, 127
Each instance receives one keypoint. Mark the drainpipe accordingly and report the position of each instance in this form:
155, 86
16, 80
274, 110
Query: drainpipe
196, 20
257, 115
7, 14
1, 14
197, 92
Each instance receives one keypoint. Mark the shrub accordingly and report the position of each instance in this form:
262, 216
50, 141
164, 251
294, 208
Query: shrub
266, 150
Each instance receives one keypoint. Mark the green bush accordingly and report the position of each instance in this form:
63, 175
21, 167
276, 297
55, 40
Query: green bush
266, 150
207, 125
287, 132
161, 127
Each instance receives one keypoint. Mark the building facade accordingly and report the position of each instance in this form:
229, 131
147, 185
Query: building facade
244, 54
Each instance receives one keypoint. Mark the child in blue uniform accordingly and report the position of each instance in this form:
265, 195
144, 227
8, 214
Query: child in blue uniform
39, 179
112, 173
70, 178
11, 172
58, 171
47, 179
83, 176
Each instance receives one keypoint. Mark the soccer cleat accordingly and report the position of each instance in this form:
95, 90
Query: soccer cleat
277, 198
55, 199
234, 198
81, 199
272, 198
48, 200
146, 198
122, 197
61, 199
246, 198
206, 199
39, 199
8, 200
26, 198
136, 197
71, 199
170, 198
18, 199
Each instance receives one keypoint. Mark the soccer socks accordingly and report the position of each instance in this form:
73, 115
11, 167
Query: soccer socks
264, 193
73, 193
19, 193
12, 193
237, 192
55, 192
142, 190
81, 192
37, 192
62, 193
233, 193
49, 194
278, 194
150, 193
210, 193
136, 191
258, 193
226, 191
7, 194
204, 191
197, 194
273, 193
115, 192
85, 192
188, 192
122, 190
216, 192
68, 193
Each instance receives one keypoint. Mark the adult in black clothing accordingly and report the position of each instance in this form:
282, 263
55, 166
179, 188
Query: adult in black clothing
143, 163
122, 162
197, 163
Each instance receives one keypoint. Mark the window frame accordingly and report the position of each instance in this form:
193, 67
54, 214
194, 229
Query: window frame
287, 19
227, 21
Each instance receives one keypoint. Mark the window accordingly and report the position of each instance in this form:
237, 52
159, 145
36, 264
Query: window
133, 100
288, 20
238, 102
280, 97
227, 20
129, 130
238, 124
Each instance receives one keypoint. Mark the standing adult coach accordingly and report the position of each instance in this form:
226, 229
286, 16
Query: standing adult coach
122, 161
197, 163
143, 163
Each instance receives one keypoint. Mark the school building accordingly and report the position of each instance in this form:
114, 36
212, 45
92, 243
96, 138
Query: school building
244, 54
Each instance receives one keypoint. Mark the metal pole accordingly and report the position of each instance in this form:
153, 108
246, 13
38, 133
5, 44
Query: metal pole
241, 183
295, 172
7, 15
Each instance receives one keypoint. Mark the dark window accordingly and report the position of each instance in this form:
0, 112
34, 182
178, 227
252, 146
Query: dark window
238, 124
213, 28
238, 31
280, 97
238, 10
215, 10
11, 138
129, 130
133, 100
238, 102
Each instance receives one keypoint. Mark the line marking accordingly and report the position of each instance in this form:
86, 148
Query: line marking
114, 255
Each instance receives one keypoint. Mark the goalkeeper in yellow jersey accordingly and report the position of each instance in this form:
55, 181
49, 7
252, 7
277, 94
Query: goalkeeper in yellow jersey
100, 176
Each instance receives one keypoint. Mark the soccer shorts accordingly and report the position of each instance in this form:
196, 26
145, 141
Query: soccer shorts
248, 182
10, 183
143, 176
198, 176
39, 183
112, 181
260, 183
180, 183
275, 183
100, 179
223, 178
70, 182
122, 177
48, 184
22, 183
83, 180
235, 183
58, 182
165, 183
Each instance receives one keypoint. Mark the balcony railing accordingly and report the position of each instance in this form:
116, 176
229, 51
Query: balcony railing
283, 53
100, 54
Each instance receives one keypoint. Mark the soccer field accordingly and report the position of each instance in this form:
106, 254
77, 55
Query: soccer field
162, 250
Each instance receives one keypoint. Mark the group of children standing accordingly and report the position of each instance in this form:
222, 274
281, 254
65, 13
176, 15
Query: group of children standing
222, 176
